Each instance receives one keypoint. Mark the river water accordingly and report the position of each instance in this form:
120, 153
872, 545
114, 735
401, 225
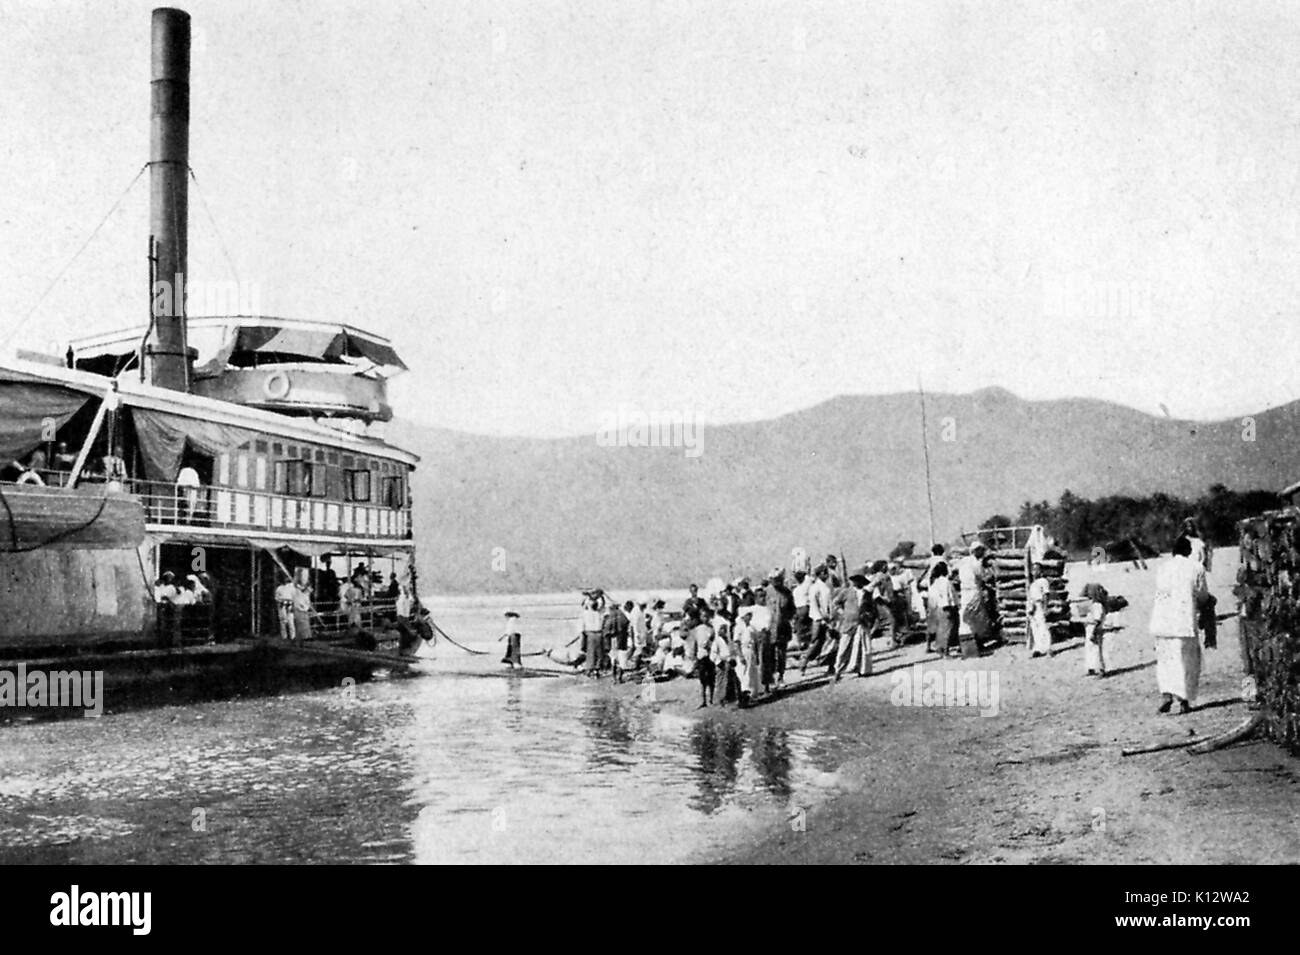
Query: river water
463, 764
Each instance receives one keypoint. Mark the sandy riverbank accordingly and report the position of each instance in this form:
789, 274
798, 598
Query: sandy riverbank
1042, 780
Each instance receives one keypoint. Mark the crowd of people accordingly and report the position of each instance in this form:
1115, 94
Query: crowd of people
54, 463
185, 607
361, 607
740, 641
307, 602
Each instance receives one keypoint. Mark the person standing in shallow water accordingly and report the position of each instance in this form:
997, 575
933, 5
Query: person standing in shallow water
593, 607
514, 641
699, 647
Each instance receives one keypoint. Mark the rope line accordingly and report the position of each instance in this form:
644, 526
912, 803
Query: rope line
55, 281
483, 653
203, 201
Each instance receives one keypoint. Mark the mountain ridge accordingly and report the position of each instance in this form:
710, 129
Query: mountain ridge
522, 514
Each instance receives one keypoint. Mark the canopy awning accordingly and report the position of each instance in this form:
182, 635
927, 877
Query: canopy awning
162, 439
320, 549
31, 410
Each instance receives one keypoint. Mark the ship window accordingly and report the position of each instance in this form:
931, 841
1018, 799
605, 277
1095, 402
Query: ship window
332, 457
299, 476
333, 484
293, 477
260, 447
320, 457
357, 485
393, 492
277, 449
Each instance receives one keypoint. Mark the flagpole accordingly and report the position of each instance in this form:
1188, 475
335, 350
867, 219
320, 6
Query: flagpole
925, 444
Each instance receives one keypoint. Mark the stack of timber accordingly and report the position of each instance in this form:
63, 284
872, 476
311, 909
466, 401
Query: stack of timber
1011, 581
1058, 597
1011, 576
1268, 587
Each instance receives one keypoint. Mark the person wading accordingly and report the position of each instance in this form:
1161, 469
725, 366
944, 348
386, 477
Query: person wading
592, 616
514, 641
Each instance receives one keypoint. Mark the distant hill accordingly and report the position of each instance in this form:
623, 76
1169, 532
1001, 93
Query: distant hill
523, 515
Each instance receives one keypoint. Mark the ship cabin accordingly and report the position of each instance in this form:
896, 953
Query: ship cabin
272, 460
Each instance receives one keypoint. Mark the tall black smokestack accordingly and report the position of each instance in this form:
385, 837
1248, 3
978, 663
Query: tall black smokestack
167, 353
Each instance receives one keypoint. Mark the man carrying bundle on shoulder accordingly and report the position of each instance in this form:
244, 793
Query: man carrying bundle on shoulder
881, 588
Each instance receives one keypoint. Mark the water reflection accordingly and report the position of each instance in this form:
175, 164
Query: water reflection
774, 761
514, 707
437, 769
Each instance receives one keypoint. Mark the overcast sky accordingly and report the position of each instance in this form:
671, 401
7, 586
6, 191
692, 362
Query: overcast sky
733, 210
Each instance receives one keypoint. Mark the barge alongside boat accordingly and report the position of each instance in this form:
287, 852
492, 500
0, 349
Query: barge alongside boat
233, 449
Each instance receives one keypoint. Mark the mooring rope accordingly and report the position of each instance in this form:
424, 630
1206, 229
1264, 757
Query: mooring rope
483, 653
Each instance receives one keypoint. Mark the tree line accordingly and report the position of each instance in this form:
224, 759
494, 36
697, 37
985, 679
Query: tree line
1119, 522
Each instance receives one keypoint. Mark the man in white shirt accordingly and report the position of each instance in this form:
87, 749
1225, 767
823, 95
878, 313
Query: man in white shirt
187, 494
819, 614
405, 603
699, 650
973, 622
164, 591
904, 592
185, 597
1201, 552
284, 608
593, 616
638, 619
1040, 635
1179, 583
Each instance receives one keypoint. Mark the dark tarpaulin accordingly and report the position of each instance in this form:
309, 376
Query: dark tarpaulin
313, 343
162, 439
25, 407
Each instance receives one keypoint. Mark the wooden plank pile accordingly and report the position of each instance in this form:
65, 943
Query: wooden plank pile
1011, 581
1011, 576
1058, 598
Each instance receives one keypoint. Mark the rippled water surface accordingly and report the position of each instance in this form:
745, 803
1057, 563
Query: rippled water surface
463, 764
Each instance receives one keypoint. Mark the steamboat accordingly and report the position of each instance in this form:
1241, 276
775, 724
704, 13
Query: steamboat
214, 459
